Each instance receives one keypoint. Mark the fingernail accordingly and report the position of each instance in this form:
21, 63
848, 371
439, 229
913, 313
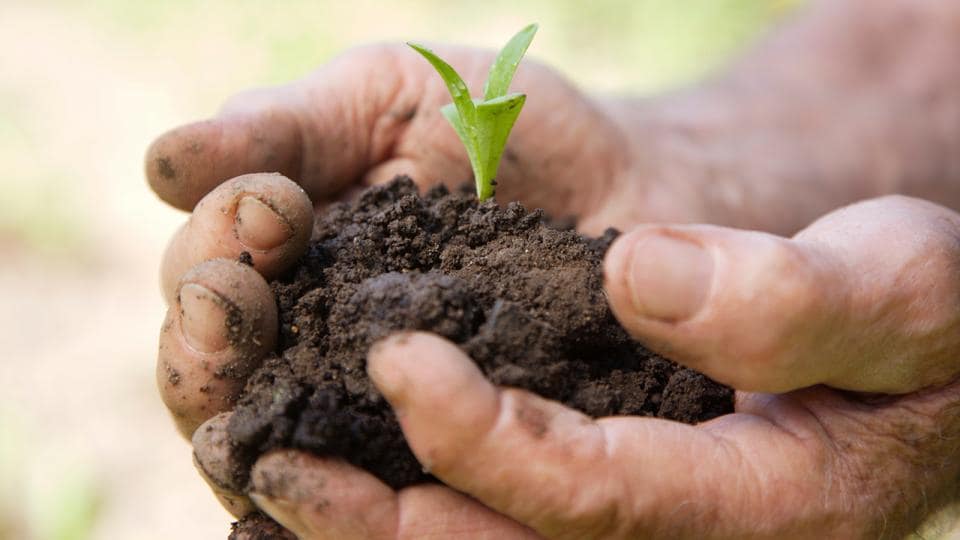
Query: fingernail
215, 455
258, 226
203, 318
382, 369
669, 278
284, 512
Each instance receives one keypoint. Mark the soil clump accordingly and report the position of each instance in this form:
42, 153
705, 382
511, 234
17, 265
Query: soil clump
522, 299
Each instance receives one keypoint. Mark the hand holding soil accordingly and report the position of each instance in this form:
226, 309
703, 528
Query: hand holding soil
852, 322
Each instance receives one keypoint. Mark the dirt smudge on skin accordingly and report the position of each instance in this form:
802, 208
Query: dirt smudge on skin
173, 376
405, 115
245, 258
165, 168
532, 419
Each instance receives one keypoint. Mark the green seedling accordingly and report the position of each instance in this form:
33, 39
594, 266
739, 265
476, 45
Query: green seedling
484, 124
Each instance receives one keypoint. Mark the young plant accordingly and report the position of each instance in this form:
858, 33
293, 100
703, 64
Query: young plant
484, 124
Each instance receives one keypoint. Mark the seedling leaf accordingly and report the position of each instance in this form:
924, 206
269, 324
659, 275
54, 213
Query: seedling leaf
450, 112
483, 125
456, 86
496, 118
503, 68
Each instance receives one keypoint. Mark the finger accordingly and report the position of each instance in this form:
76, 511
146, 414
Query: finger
321, 498
259, 526
567, 476
865, 299
265, 215
215, 459
319, 131
388, 170
221, 325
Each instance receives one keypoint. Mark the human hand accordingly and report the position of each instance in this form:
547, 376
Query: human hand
373, 113
866, 299
362, 119
321, 132
367, 116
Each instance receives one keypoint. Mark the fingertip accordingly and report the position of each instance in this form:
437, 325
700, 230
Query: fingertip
441, 398
266, 215
321, 498
746, 308
203, 317
256, 133
616, 264
259, 226
390, 169
659, 274
215, 459
224, 302
178, 163
212, 341
272, 220
414, 367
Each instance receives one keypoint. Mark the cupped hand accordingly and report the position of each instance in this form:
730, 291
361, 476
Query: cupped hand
858, 301
367, 116
866, 299
374, 112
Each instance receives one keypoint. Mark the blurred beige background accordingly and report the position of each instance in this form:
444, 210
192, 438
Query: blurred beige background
86, 449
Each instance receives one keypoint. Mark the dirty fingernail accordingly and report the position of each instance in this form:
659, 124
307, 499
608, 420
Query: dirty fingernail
285, 513
258, 226
203, 318
215, 455
669, 278
383, 370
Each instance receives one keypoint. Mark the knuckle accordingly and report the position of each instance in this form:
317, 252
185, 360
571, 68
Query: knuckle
254, 99
794, 298
792, 294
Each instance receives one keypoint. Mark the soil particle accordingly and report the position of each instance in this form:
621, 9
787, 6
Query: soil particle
173, 376
524, 300
245, 258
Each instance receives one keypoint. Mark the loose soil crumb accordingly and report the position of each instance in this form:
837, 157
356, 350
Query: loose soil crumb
245, 258
525, 301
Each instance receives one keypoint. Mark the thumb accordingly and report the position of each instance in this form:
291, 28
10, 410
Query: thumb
867, 298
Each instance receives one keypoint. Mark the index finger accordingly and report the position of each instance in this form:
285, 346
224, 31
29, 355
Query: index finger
319, 131
568, 476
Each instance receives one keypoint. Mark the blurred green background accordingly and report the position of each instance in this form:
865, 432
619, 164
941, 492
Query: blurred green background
86, 449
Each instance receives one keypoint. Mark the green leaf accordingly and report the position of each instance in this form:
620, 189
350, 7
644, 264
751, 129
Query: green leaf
450, 112
456, 86
484, 125
503, 68
495, 118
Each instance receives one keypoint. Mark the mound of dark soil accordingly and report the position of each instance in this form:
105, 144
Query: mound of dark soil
524, 300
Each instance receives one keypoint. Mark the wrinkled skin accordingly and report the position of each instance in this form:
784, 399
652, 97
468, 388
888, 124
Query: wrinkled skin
841, 336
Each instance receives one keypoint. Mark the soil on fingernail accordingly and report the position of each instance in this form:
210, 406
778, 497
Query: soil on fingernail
522, 299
